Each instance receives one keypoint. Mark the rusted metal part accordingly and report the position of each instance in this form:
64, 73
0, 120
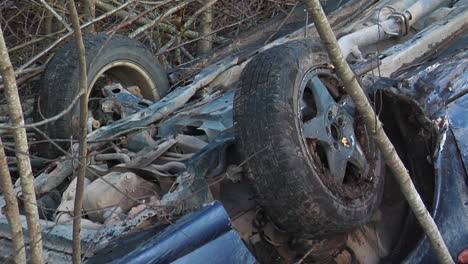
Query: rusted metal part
122, 101
365, 67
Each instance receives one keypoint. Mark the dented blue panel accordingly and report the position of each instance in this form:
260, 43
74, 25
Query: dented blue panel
201, 235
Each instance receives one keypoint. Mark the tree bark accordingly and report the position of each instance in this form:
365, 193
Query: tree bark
22, 153
82, 135
12, 210
48, 21
90, 14
397, 167
205, 45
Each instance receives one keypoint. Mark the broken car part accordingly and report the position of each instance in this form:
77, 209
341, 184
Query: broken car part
210, 119
135, 124
397, 24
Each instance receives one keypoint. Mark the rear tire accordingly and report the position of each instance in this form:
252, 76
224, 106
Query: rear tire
118, 56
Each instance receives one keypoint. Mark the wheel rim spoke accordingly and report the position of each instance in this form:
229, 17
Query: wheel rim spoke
359, 159
348, 105
315, 128
337, 161
323, 99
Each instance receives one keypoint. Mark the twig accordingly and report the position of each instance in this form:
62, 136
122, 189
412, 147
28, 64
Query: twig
164, 27
121, 26
27, 43
171, 11
12, 210
83, 133
186, 53
281, 24
177, 53
199, 11
56, 15
21, 142
353, 88
168, 44
25, 79
58, 41
48, 120
202, 37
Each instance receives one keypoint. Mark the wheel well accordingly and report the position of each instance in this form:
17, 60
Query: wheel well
414, 138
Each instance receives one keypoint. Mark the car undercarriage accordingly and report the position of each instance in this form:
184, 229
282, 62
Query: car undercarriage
262, 157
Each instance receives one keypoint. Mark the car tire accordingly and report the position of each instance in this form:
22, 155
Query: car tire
116, 55
292, 181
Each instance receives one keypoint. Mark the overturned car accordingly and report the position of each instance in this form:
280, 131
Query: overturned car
263, 157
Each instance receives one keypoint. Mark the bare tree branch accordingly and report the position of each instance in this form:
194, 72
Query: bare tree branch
159, 18
204, 36
83, 133
21, 142
121, 26
163, 26
12, 210
56, 15
48, 120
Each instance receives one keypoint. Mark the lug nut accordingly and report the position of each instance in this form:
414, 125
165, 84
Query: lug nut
345, 142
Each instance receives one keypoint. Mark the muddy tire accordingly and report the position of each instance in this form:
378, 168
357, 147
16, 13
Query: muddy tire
293, 168
118, 57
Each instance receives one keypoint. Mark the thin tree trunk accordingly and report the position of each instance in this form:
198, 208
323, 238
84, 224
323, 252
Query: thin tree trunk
48, 21
90, 14
177, 53
22, 153
205, 45
82, 136
12, 210
397, 167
